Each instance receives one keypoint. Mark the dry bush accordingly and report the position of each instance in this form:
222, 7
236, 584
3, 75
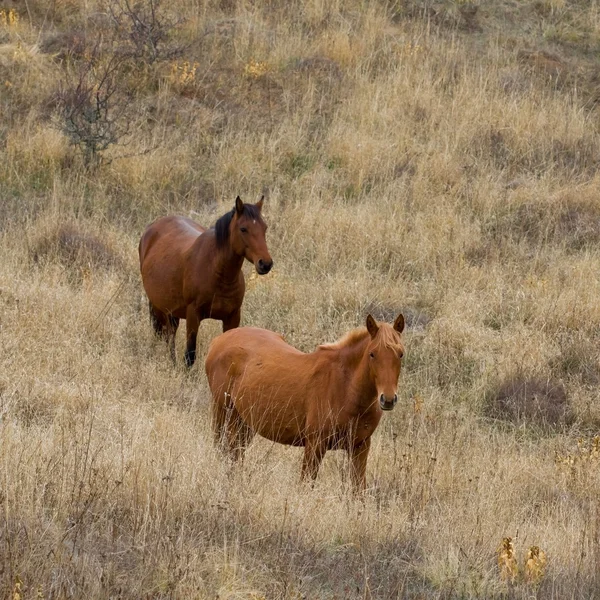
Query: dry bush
545, 63
539, 402
77, 250
146, 28
92, 104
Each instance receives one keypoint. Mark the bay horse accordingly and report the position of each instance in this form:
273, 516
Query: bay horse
332, 398
194, 273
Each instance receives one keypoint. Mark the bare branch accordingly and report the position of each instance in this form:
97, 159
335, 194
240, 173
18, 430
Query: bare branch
92, 105
145, 28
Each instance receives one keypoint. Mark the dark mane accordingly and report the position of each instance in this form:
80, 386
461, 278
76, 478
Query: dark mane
222, 224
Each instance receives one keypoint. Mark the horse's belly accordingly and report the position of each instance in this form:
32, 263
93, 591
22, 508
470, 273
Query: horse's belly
220, 308
289, 437
277, 423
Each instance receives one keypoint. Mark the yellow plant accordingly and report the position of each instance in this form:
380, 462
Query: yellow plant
16, 595
255, 69
417, 404
588, 451
410, 49
507, 562
554, 4
183, 73
9, 18
535, 565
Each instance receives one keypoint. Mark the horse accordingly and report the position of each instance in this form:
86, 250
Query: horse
194, 273
332, 398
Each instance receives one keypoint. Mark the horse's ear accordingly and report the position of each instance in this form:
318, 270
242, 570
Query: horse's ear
372, 326
259, 204
239, 206
399, 323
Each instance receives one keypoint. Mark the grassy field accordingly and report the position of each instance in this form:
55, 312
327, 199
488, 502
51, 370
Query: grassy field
433, 157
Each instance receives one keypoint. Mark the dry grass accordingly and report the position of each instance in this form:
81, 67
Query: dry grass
435, 158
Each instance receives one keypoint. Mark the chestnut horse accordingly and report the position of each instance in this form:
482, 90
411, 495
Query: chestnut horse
194, 273
332, 398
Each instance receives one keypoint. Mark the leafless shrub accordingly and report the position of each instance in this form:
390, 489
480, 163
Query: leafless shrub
145, 28
92, 104
534, 401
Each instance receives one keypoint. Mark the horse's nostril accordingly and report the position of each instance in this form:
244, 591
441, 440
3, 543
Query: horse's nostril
387, 403
264, 266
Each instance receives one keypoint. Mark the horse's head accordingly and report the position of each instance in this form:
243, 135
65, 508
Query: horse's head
248, 235
385, 351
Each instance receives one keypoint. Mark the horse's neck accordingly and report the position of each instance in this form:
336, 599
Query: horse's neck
361, 382
227, 264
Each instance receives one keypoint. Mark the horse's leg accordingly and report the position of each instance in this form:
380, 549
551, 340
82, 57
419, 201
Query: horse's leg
158, 320
226, 420
222, 408
314, 450
246, 436
171, 332
165, 327
219, 419
232, 321
192, 322
358, 464
240, 436
238, 433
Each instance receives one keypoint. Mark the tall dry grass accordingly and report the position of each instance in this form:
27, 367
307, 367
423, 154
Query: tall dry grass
438, 160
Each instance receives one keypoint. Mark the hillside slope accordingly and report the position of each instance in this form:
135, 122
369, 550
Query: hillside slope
433, 157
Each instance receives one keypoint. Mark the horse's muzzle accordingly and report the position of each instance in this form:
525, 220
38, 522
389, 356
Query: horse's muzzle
386, 403
263, 266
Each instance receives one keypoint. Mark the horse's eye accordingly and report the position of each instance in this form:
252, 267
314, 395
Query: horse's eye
243, 230
400, 354
371, 355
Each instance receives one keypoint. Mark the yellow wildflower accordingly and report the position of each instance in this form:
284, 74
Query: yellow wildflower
507, 561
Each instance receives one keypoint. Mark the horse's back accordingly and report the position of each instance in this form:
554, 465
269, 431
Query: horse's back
246, 342
250, 350
172, 230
